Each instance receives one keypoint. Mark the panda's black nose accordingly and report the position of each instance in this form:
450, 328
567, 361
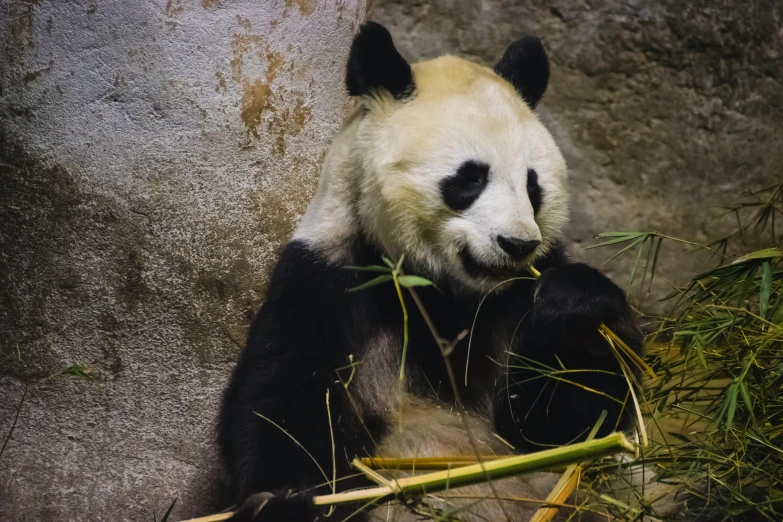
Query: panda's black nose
517, 248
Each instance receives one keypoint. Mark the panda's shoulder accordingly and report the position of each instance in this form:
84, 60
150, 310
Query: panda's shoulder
304, 275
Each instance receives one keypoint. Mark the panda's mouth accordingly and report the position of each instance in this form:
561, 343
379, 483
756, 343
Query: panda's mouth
476, 268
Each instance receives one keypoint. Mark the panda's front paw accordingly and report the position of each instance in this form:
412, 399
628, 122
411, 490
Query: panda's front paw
278, 507
571, 302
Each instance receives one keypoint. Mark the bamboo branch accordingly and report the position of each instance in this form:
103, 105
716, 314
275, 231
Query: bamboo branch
474, 474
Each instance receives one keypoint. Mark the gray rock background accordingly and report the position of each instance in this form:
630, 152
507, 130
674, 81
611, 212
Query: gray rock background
664, 109
154, 156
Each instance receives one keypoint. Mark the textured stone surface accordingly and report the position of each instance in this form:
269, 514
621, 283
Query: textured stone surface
153, 156
664, 109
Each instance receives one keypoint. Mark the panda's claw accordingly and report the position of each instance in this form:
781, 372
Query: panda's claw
277, 507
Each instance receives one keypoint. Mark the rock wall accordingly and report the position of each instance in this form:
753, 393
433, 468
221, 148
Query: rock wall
153, 157
664, 109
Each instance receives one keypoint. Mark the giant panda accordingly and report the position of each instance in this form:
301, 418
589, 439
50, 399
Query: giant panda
443, 162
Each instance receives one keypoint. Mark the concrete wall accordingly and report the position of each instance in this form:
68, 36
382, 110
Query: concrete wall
153, 157
664, 109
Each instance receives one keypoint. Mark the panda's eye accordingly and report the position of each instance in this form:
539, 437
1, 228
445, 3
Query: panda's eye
533, 190
465, 186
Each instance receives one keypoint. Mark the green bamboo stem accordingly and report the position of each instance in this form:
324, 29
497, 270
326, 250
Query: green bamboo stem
473, 474
477, 473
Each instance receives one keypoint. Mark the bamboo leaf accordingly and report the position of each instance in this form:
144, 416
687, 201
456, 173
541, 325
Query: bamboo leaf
625, 249
767, 253
78, 371
168, 512
620, 234
655, 261
624, 238
372, 282
699, 342
388, 262
778, 317
749, 277
746, 399
369, 268
766, 288
636, 262
731, 406
409, 281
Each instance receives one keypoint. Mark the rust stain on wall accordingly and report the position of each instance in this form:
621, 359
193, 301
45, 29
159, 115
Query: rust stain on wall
276, 218
305, 6
277, 212
256, 100
173, 7
275, 61
221, 85
266, 101
289, 122
301, 114
241, 44
244, 22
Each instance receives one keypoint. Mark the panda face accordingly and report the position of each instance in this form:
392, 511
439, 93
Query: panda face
460, 176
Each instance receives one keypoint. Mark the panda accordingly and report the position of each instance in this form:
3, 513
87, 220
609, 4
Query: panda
445, 165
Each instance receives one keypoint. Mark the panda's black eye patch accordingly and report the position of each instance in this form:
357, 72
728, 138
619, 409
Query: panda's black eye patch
533, 190
465, 186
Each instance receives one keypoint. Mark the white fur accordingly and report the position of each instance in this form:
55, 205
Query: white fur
432, 429
383, 173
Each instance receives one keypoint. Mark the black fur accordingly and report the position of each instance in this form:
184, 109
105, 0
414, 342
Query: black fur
526, 66
374, 63
309, 325
561, 332
534, 190
465, 186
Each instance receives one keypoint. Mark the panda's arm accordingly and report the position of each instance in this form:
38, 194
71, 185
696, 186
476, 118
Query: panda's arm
295, 344
565, 373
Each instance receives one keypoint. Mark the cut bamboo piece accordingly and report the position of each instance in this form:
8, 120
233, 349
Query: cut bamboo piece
567, 483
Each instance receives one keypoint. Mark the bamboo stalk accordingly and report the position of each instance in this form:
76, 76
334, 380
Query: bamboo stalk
473, 474
559, 494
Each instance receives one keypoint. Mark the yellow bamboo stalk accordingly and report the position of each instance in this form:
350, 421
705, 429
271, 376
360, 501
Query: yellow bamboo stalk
425, 463
559, 494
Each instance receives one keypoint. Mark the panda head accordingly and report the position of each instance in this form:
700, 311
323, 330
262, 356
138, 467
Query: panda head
456, 171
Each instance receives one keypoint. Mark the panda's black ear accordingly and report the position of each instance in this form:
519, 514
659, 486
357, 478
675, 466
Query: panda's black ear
374, 63
526, 67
